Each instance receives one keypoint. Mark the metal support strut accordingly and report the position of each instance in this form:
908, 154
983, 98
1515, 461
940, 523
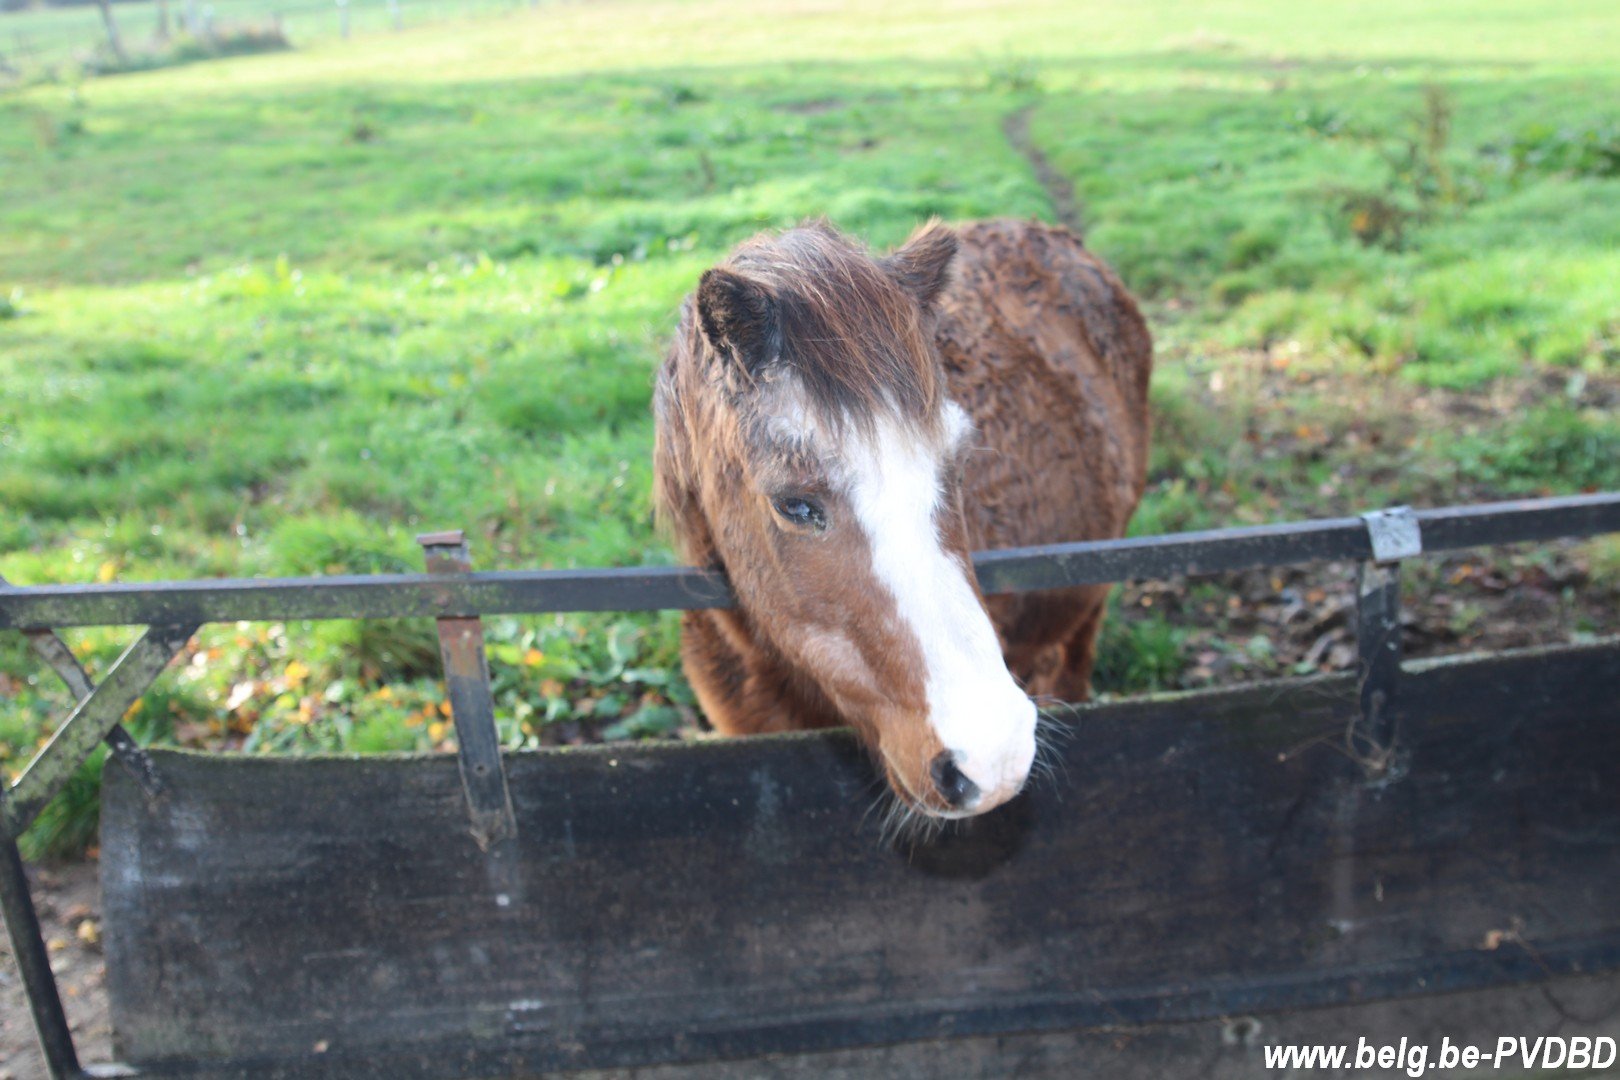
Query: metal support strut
1374, 740
472, 703
93, 719
54, 651
34, 964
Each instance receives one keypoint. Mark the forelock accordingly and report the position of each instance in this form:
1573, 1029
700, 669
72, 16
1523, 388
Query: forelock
854, 342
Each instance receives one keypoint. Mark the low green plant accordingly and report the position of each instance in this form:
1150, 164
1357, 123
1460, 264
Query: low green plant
1577, 151
1553, 443
1137, 654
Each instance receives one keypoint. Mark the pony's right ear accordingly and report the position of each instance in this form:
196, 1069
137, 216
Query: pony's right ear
738, 316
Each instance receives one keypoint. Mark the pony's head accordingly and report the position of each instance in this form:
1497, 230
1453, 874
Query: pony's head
807, 445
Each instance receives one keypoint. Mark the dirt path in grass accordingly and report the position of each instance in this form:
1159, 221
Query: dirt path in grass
68, 899
1059, 188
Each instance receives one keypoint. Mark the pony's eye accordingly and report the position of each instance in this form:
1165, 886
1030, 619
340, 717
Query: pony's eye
802, 512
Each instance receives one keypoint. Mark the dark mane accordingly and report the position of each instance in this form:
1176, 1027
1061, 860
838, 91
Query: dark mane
854, 339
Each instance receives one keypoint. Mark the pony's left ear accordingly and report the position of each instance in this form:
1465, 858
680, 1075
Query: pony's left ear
922, 265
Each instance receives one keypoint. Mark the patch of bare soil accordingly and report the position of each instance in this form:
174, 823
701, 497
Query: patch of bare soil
1301, 620
68, 899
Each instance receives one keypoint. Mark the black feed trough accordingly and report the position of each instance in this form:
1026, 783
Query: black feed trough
1411, 849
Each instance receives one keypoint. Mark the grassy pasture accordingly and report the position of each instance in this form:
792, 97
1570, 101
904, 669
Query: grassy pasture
276, 314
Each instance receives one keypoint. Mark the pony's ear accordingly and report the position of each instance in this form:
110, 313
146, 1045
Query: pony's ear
922, 266
738, 316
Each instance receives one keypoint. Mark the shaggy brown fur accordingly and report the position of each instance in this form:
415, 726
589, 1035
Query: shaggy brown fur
1018, 324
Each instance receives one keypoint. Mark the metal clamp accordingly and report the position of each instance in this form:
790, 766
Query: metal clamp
1394, 534
472, 702
1374, 738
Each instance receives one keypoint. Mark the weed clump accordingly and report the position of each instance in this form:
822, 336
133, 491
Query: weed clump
1419, 185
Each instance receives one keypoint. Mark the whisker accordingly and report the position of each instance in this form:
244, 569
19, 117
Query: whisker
1051, 736
902, 825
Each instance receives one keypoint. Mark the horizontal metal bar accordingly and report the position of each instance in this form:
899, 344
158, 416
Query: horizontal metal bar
374, 596
1101, 562
658, 588
1521, 521
1154, 557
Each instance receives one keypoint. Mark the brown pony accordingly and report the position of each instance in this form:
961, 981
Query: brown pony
838, 431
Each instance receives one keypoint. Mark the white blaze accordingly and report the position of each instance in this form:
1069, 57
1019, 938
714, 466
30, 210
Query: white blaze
974, 705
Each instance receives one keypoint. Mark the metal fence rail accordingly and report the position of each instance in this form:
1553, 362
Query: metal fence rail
458, 598
677, 588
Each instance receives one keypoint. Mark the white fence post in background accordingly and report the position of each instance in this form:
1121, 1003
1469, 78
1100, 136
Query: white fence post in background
193, 19
394, 15
343, 17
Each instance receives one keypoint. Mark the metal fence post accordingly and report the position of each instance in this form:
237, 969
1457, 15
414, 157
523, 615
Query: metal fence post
472, 703
34, 964
1374, 739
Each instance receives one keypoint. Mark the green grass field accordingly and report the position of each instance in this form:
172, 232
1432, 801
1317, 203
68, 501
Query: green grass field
277, 314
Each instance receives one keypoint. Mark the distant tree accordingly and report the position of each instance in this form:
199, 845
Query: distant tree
113, 39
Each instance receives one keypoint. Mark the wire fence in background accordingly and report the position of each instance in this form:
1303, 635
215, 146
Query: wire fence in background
59, 42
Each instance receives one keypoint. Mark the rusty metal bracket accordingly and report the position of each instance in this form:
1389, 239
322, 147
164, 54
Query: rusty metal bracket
1374, 739
91, 721
472, 702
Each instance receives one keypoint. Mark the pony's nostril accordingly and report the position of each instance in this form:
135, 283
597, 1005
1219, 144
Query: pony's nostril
957, 790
